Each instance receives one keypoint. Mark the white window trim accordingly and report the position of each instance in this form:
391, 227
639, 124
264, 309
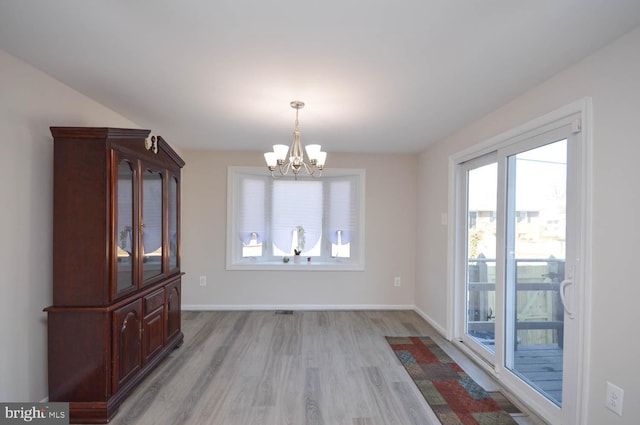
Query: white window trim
233, 242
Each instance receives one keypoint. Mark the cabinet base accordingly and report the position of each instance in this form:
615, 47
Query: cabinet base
102, 412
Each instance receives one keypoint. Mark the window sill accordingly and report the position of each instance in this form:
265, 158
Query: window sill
316, 265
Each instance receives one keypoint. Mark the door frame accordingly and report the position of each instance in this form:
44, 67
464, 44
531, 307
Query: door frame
576, 402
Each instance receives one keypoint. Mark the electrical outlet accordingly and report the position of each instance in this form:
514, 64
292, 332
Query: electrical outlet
396, 281
615, 395
203, 281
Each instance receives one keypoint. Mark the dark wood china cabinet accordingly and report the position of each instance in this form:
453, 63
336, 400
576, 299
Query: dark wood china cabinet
116, 265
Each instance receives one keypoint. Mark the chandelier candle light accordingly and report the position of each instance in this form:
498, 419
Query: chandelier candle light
276, 159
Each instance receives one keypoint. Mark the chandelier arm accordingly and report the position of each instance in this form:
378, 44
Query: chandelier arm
310, 169
316, 172
275, 177
284, 168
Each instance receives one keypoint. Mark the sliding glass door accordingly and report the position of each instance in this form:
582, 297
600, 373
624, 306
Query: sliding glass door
481, 208
536, 222
519, 240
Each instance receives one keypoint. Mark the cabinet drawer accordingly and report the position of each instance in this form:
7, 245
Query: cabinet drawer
153, 301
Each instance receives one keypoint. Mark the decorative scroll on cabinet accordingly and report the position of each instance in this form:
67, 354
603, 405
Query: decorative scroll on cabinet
116, 266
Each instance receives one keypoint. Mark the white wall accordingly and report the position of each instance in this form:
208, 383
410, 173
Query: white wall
30, 102
612, 78
390, 240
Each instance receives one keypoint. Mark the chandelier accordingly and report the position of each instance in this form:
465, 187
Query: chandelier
276, 160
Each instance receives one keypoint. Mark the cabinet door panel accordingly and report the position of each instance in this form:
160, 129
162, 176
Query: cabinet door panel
174, 220
173, 308
127, 358
125, 234
153, 334
152, 223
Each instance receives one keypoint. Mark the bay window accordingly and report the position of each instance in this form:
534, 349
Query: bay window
270, 221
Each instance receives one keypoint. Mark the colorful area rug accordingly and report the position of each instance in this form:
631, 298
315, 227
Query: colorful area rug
455, 398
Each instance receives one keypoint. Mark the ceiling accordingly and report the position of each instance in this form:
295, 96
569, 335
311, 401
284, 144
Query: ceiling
386, 76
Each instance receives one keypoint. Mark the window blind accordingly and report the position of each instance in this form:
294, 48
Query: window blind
252, 208
341, 213
296, 203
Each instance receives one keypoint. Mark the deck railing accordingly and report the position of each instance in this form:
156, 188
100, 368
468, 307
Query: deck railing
532, 275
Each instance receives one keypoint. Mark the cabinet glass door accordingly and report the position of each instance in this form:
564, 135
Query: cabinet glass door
152, 182
173, 223
124, 226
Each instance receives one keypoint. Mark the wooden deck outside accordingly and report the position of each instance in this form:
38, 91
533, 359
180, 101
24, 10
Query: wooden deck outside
541, 366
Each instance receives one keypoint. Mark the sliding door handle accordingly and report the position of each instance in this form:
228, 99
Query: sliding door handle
563, 296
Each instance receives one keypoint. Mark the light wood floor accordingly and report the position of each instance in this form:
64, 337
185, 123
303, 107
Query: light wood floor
309, 368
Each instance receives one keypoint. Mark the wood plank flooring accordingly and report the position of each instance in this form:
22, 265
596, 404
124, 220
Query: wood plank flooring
308, 368
541, 365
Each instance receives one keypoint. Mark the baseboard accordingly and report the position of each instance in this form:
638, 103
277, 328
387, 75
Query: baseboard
442, 331
229, 307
